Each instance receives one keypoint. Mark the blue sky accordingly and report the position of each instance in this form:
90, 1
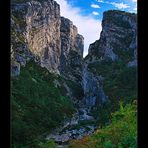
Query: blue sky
87, 15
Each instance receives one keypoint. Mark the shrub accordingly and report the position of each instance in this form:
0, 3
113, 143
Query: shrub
120, 84
37, 105
47, 144
121, 132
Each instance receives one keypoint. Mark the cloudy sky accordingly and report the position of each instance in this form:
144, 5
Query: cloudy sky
87, 15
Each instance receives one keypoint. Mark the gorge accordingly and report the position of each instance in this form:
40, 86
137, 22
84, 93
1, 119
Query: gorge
55, 91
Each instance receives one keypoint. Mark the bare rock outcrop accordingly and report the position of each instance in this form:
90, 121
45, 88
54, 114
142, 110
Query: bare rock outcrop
72, 45
38, 32
43, 32
37, 25
118, 42
118, 36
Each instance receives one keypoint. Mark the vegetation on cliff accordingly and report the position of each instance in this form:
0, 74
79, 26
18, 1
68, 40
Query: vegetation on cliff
37, 104
120, 133
120, 84
41, 101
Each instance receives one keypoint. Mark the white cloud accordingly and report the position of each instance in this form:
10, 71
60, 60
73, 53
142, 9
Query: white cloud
89, 27
101, 1
135, 9
120, 5
95, 13
134, 1
95, 6
117, 5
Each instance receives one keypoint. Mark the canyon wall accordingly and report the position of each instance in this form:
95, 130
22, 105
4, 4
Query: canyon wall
118, 35
108, 57
38, 32
72, 45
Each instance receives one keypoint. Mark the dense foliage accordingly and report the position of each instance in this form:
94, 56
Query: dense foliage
120, 133
37, 105
120, 84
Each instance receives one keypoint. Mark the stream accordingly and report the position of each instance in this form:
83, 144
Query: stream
80, 125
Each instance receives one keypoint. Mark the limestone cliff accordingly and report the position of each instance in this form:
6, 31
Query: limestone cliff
118, 37
43, 32
93, 88
109, 58
71, 51
84, 86
36, 30
38, 33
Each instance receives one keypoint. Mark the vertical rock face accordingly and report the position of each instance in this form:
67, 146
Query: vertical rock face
38, 32
118, 35
118, 42
35, 32
43, 32
71, 50
93, 88
19, 49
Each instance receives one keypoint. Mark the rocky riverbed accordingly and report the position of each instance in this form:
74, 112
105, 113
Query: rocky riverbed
81, 124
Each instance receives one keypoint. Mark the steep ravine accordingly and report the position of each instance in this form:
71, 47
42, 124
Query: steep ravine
103, 51
83, 123
47, 51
